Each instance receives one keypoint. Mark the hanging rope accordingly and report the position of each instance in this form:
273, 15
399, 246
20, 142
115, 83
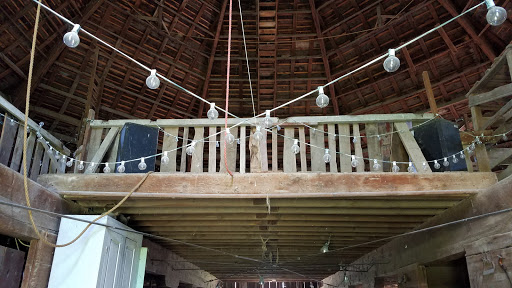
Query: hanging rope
25, 172
227, 89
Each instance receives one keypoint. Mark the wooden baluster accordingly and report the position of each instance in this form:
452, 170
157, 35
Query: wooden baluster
255, 151
18, 150
358, 151
385, 145
373, 143
46, 163
212, 150
197, 158
183, 163
333, 165
36, 163
289, 158
92, 147
170, 144
398, 152
7, 140
275, 160
230, 152
317, 139
30, 150
243, 134
345, 150
303, 159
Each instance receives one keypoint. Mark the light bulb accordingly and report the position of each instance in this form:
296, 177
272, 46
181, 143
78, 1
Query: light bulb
121, 168
504, 138
80, 166
327, 156
229, 137
354, 140
496, 15
445, 162
69, 163
12, 122
455, 159
395, 168
478, 141
212, 114
462, 156
165, 159
392, 63
262, 281
425, 166
436, 164
191, 149
354, 162
92, 167
106, 169
295, 146
325, 248
152, 81
322, 100
471, 147
267, 121
258, 136
142, 165
71, 39
376, 165
410, 169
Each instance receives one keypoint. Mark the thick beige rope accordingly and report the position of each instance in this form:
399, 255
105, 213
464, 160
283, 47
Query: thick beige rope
25, 178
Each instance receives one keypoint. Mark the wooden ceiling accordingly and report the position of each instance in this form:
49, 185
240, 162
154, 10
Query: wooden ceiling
293, 46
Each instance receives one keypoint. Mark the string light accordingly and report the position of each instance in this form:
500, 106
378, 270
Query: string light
71, 39
322, 100
376, 165
165, 159
142, 165
229, 137
392, 63
152, 81
425, 166
80, 166
436, 164
192, 148
445, 162
327, 156
106, 169
354, 161
267, 121
92, 167
410, 169
455, 160
395, 168
496, 15
295, 146
69, 163
212, 114
121, 168
462, 156
258, 136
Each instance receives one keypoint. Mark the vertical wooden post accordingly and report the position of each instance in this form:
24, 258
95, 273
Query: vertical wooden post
84, 137
430, 93
483, 162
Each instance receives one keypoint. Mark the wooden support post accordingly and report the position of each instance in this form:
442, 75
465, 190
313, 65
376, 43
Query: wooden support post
254, 152
317, 139
410, 144
430, 93
289, 158
103, 148
483, 162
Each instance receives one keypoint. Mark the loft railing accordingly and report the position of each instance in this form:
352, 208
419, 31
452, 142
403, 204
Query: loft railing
274, 152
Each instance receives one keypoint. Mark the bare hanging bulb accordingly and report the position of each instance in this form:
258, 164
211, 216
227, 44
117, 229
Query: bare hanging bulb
455, 160
496, 15
354, 162
392, 63
267, 121
262, 281
445, 162
70, 162
504, 138
165, 159
436, 164
462, 156
142, 165
322, 100
376, 165
395, 167
152, 81
478, 141
212, 114
295, 146
106, 169
472, 147
121, 168
92, 167
71, 39
411, 169
354, 140
425, 166
258, 136
191, 149
327, 156
325, 248
229, 137
80, 166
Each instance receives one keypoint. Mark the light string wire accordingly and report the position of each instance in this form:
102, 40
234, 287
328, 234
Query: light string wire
471, 218
246, 58
282, 105
270, 130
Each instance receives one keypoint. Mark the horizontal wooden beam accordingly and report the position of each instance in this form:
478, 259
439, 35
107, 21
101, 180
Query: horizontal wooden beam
273, 185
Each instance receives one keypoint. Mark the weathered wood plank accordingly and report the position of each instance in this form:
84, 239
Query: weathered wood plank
17, 153
46, 163
317, 139
243, 133
231, 150
480, 151
254, 152
37, 163
264, 153
30, 150
289, 158
212, 150
7, 140
358, 151
345, 150
197, 158
385, 144
94, 143
499, 115
103, 148
373, 143
333, 165
493, 95
411, 146
112, 152
498, 155
183, 162
303, 159
170, 144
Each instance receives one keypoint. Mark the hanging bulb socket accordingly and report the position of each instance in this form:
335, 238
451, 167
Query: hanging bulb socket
376, 165
410, 169
121, 168
229, 137
165, 159
392, 63
267, 121
322, 100
496, 15
354, 161
142, 165
325, 248
152, 81
258, 136
395, 167
212, 114
191, 149
71, 39
295, 146
327, 156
